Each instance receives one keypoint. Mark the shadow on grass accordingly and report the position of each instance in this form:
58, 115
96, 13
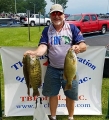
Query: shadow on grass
84, 117
18, 118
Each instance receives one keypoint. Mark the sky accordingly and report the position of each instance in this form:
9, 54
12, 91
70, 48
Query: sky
83, 6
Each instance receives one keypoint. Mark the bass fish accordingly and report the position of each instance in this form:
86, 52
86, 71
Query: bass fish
70, 68
32, 73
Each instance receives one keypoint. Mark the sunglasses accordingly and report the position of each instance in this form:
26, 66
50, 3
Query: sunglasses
56, 13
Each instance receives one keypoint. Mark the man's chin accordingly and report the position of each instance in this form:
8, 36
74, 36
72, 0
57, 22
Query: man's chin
57, 23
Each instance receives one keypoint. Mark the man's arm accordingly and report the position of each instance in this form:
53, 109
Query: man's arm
41, 50
80, 47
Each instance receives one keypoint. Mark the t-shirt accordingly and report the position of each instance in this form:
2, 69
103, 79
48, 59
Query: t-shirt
59, 42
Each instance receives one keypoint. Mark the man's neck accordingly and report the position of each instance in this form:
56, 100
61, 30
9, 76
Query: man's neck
58, 27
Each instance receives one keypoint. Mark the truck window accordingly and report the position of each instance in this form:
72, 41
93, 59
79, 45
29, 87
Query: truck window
93, 17
41, 16
37, 16
74, 18
86, 18
32, 16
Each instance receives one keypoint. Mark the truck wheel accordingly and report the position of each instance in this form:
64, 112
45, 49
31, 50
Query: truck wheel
48, 23
25, 25
103, 30
32, 23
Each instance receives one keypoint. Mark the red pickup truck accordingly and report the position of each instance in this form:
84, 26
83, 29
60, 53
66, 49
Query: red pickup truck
89, 23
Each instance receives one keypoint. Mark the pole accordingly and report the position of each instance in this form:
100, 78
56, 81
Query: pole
39, 21
55, 1
0, 102
34, 8
107, 117
28, 14
15, 7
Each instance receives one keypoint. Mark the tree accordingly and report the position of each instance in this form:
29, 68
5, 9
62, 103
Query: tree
22, 6
61, 2
6, 6
37, 5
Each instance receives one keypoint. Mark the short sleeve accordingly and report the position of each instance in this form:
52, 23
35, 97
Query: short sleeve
44, 36
77, 35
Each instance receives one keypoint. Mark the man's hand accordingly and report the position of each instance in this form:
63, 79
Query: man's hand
30, 52
76, 48
79, 48
41, 50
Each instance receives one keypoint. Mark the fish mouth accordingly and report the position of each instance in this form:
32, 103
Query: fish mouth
73, 55
34, 57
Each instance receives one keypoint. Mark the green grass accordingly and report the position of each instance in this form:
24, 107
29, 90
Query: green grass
19, 37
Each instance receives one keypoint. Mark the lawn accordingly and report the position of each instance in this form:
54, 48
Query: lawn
18, 36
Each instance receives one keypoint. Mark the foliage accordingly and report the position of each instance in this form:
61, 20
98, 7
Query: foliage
38, 5
61, 2
6, 5
22, 6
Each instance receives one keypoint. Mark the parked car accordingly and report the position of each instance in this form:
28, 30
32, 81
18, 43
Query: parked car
89, 23
107, 15
22, 19
36, 20
21, 14
6, 21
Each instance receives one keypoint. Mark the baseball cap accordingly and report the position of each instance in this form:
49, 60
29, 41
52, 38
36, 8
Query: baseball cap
56, 7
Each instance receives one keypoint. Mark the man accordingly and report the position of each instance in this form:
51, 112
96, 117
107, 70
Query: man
56, 39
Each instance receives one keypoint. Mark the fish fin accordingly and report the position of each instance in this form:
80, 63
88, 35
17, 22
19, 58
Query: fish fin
36, 93
28, 91
68, 87
25, 71
73, 61
23, 60
64, 77
40, 83
74, 77
30, 86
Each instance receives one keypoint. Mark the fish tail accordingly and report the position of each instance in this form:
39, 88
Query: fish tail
28, 91
30, 86
36, 93
68, 87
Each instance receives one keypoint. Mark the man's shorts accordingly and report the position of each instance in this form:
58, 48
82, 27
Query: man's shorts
53, 82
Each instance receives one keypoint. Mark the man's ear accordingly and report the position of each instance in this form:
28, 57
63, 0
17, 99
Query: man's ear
64, 16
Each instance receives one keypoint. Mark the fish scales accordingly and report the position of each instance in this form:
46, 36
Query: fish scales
35, 76
32, 73
70, 68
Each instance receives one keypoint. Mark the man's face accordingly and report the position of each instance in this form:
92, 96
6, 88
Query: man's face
57, 18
